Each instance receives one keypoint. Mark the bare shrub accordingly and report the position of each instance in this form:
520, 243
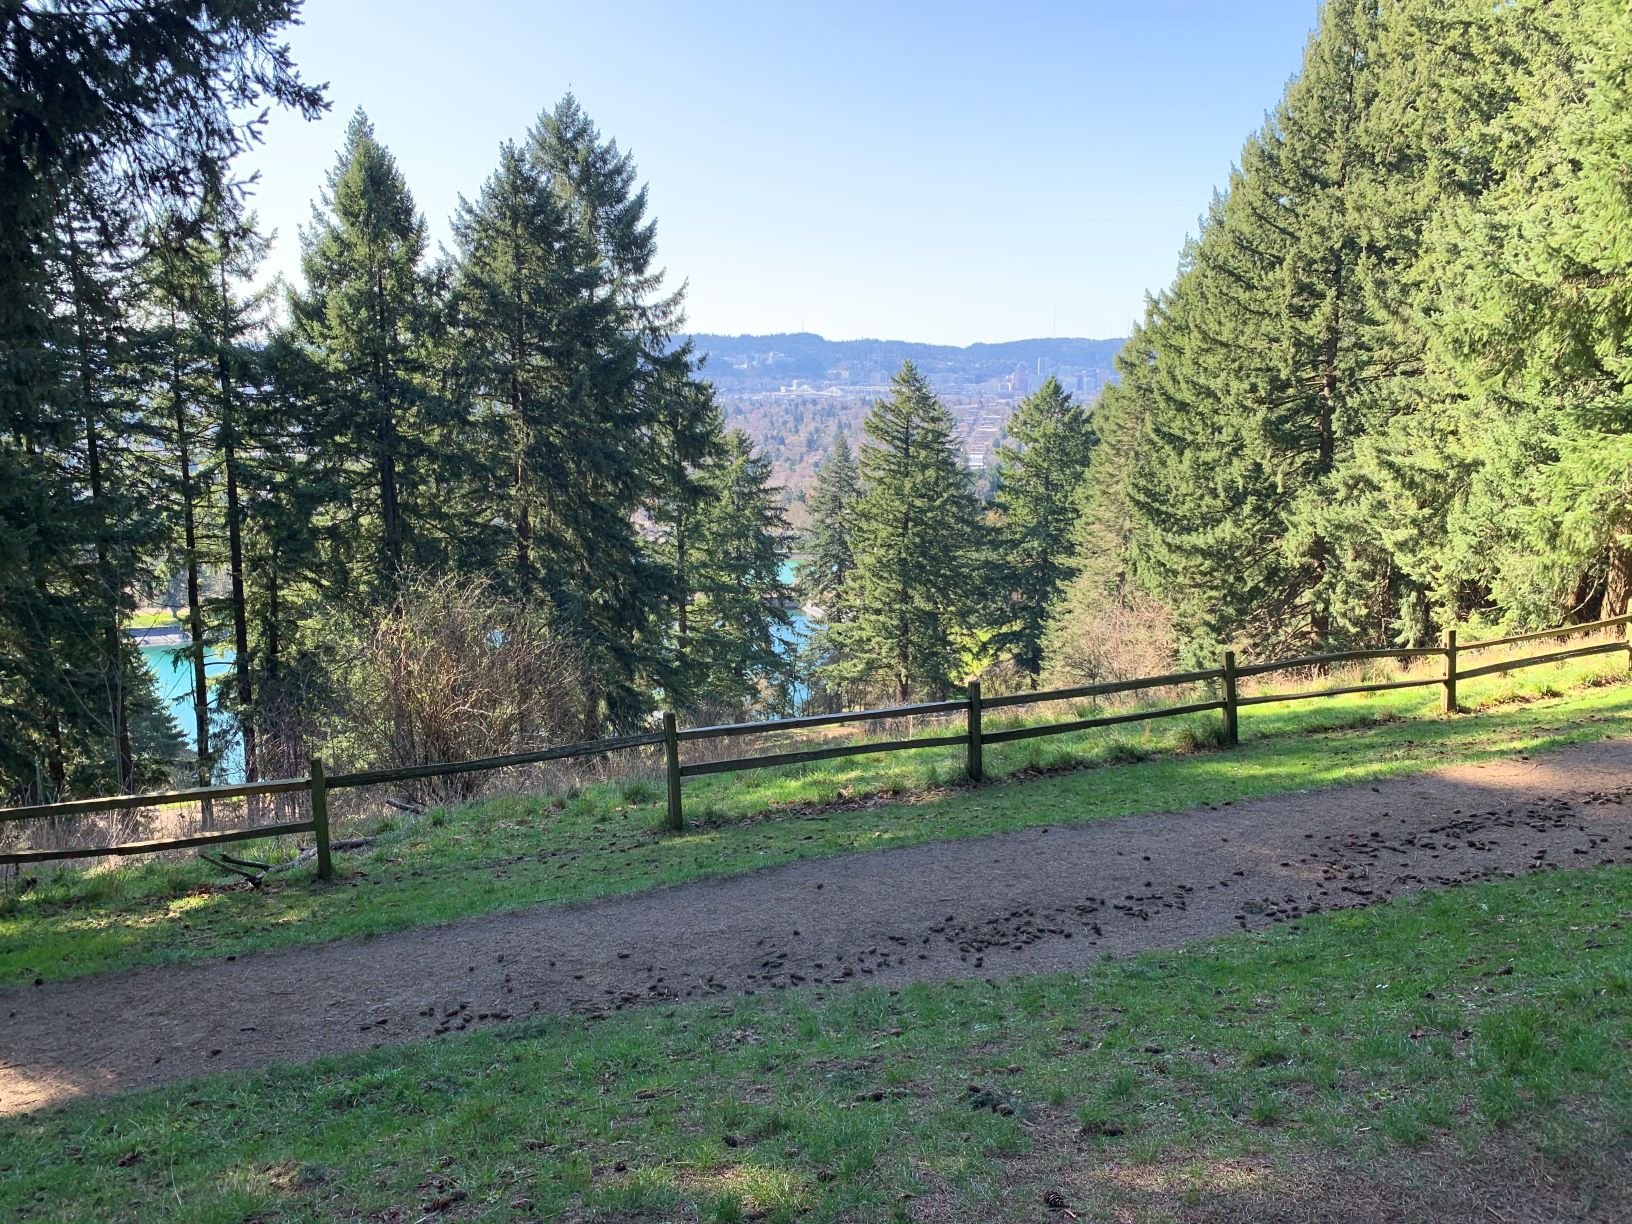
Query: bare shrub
455, 672
1121, 640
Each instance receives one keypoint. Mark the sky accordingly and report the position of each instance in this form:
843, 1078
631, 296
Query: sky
901, 169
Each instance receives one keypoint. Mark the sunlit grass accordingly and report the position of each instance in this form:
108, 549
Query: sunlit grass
1492, 1011
514, 851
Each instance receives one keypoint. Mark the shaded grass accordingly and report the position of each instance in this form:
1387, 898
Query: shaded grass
510, 852
1448, 1018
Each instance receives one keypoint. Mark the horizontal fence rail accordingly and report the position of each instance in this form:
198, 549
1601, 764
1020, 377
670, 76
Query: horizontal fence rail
172, 843
1342, 656
1102, 690
198, 794
1557, 656
1597, 626
971, 737
411, 773
820, 754
1104, 720
806, 721
1345, 691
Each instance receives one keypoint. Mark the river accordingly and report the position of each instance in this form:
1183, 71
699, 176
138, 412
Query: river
173, 669
174, 672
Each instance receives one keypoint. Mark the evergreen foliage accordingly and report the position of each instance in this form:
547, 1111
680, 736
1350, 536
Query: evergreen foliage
918, 537
829, 543
738, 618
1040, 475
1387, 392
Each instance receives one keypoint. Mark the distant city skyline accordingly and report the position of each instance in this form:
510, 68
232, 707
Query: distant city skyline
946, 173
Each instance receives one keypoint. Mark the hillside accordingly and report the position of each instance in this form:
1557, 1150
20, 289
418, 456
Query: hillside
748, 364
790, 391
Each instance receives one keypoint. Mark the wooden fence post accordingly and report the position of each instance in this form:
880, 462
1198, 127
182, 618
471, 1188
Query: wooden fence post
976, 767
1232, 713
320, 818
1450, 671
671, 766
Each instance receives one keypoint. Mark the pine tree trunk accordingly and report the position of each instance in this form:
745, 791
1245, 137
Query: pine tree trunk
387, 439
57, 758
195, 607
235, 540
240, 614
118, 715
273, 640
524, 533
1320, 620
1618, 583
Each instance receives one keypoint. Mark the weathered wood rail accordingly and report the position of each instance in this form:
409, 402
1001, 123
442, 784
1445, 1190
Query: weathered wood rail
972, 737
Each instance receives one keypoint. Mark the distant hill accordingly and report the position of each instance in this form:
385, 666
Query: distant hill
746, 364
791, 391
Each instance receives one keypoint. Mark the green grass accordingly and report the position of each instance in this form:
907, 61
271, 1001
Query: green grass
1499, 1013
157, 618
511, 852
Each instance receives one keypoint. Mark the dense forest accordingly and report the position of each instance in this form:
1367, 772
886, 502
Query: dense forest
428, 505
344, 460
1387, 392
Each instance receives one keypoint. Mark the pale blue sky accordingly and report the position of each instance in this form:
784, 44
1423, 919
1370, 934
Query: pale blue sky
945, 172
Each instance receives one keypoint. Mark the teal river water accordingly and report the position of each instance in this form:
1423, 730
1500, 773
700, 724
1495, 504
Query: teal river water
174, 671
175, 675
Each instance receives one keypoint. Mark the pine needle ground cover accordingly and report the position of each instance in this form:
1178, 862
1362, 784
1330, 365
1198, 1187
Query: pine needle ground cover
517, 851
1234, 1076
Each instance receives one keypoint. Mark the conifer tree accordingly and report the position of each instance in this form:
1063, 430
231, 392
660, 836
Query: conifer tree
829, 547
918, 542
112, 462
1274, 354
688, 442
553, 373
676, 425
1534, 289
146, 111
179, 350
1039, 478
363, 318
738, 619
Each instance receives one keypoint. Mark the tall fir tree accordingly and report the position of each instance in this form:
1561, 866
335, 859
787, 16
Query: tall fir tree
828, 544
918, 542
363, 318
145, 112
677, 430
688, 441
1274, 354
1039, 480
738, 622
553, 373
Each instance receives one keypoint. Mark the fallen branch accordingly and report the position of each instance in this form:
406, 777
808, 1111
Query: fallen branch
310, 852
402, 805
254, 877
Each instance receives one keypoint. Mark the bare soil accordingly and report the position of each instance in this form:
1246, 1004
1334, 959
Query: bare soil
1035, 901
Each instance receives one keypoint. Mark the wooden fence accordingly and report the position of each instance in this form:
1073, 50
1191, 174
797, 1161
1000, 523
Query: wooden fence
1228, 700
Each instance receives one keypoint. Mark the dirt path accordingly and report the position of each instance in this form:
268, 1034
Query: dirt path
1028, 902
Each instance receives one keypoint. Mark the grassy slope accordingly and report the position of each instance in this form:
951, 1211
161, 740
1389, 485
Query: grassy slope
1496, 1011
512, 852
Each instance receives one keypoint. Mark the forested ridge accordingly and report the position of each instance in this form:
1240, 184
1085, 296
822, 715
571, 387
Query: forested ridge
428, 504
